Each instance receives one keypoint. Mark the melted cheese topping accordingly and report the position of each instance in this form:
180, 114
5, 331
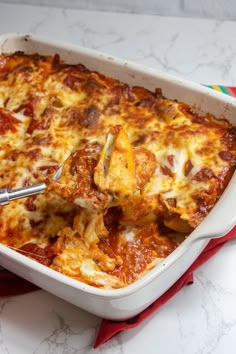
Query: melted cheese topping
140, 171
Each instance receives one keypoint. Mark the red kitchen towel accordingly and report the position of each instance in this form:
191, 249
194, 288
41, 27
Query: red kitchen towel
11, 284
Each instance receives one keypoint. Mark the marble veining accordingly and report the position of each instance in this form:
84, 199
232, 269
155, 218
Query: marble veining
201, 318
199, 50
185, 8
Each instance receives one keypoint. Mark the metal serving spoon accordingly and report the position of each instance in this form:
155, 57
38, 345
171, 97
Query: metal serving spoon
7, 195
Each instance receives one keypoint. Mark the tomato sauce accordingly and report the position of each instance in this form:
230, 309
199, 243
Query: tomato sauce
7, 122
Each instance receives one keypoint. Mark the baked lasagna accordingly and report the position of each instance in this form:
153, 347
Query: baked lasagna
139, 171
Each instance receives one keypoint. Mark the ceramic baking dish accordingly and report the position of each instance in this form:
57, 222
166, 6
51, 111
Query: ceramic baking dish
126, 302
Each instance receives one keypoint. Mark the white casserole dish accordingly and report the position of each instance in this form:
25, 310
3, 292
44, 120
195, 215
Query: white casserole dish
119, 304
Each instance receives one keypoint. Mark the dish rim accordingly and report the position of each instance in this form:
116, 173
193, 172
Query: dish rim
197, 235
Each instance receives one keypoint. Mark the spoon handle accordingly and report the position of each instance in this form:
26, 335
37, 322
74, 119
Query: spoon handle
6, 194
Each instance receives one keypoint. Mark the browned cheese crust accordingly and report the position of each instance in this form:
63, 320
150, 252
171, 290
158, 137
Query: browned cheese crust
140, 171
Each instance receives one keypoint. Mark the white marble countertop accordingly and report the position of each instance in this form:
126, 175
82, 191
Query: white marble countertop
201, 319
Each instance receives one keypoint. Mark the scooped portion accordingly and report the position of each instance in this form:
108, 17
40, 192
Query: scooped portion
96, 177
